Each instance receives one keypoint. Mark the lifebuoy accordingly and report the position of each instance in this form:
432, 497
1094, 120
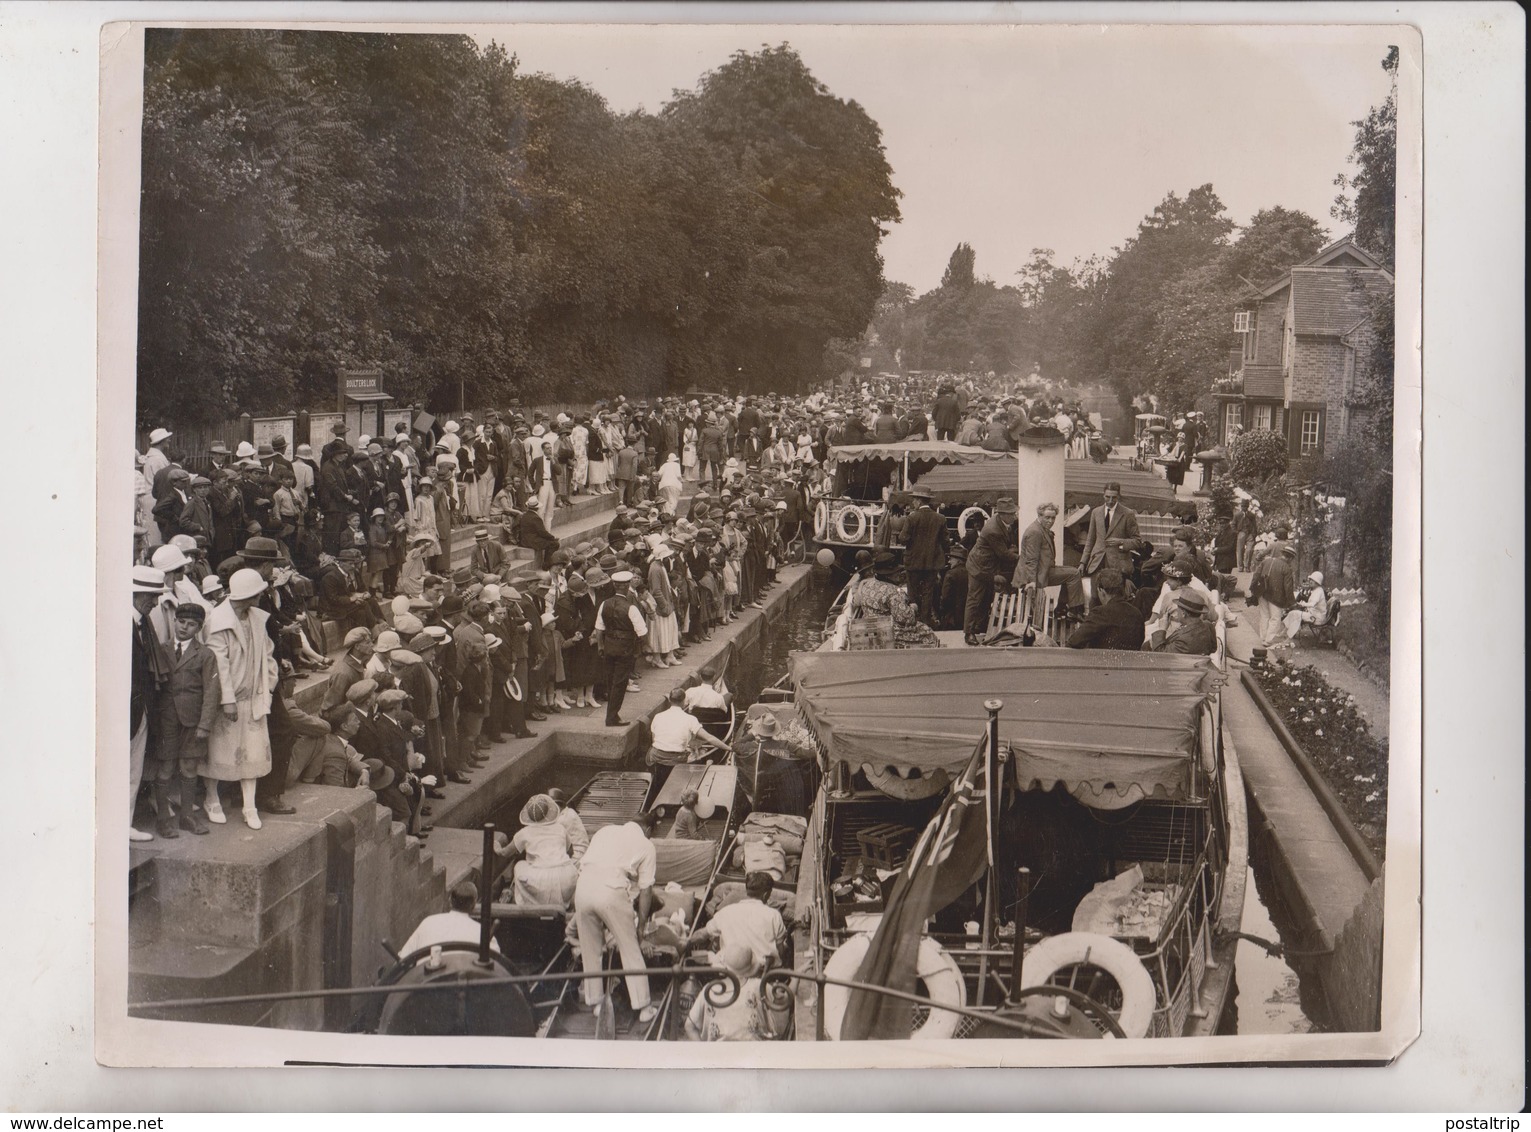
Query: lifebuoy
937, 970
905, 783
513, 688
1118, 960
821, 520
860, 516
962, 521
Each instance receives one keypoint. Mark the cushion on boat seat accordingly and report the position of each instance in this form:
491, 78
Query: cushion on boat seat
683, 862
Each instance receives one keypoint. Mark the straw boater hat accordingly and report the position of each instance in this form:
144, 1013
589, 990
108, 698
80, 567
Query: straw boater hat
148, 580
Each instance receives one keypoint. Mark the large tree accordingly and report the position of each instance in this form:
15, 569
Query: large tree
813, 169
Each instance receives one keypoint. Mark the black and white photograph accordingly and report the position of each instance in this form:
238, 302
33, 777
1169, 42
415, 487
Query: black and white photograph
655, 536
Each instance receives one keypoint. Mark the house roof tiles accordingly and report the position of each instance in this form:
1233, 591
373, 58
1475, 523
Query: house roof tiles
1324, 300
1264, 381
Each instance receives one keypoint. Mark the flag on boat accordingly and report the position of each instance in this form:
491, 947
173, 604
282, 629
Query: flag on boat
947, 859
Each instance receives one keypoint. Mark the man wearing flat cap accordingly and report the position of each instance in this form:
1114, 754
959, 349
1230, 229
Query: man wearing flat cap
188, 703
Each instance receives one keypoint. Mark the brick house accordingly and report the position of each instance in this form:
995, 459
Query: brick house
1300, 339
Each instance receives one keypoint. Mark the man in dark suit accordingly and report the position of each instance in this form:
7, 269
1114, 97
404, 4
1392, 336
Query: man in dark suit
925, 545
532, 533
1113, 529
1037, 568
187, 705
1115, 623
993, 556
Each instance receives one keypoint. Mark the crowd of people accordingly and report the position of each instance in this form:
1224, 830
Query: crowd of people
441, 656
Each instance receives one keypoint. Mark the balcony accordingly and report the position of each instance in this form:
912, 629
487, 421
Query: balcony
1231, 386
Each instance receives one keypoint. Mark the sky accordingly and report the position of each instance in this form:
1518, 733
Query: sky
1013, 138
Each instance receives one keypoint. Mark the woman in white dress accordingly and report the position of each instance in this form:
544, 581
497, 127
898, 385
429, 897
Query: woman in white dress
688, 440
669, 485
239, 746
546, 872
579, 471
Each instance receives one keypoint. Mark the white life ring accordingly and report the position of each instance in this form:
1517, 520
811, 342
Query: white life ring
962, 521
1118, 960
860, 516
513, 688
906, 783
821, 520
933, 967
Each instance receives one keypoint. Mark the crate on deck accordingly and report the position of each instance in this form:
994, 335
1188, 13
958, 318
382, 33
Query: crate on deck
886, 845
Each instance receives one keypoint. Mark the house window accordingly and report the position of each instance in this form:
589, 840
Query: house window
1249, 336
1262, 417
1233, 417
1310, 435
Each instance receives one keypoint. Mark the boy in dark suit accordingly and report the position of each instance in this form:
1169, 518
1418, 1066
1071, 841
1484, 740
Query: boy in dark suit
187, 705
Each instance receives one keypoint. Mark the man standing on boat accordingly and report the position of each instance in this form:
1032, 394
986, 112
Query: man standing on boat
925, 545
616, 870
993, 557
1113, 528
619, 632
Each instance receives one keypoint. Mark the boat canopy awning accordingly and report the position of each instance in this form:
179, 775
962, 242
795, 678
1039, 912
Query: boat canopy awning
939, 451
1114, 727
1083, 481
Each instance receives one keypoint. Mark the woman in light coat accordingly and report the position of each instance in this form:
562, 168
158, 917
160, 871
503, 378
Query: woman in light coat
239, 747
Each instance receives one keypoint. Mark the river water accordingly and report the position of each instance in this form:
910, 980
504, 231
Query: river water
1269, 996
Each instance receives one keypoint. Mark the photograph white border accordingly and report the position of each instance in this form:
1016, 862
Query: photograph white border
1508, 220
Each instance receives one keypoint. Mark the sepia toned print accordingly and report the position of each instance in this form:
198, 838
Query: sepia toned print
811, 549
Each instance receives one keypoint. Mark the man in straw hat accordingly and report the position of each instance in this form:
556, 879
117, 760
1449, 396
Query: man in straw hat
150, 671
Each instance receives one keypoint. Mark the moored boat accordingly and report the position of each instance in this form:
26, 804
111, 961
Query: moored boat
1118, 796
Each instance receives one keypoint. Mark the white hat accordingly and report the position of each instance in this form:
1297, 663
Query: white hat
451, 426
363, 441
538, 430
401, 439
169, 557
160, 434
622, 576
1317, 576
489, 594
245, 584
387, 641
244, 451
148, 580
531, 503
491, 642
211, 584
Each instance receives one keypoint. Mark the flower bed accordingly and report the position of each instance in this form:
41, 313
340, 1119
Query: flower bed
1337, 741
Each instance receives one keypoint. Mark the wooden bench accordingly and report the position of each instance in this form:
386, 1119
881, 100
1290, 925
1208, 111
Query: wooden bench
1009, 608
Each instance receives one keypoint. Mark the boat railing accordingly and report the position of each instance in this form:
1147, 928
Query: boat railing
1178, 959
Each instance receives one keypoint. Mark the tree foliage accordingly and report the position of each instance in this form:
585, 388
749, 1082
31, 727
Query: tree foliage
1361, 467
1256, 456
314, 200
